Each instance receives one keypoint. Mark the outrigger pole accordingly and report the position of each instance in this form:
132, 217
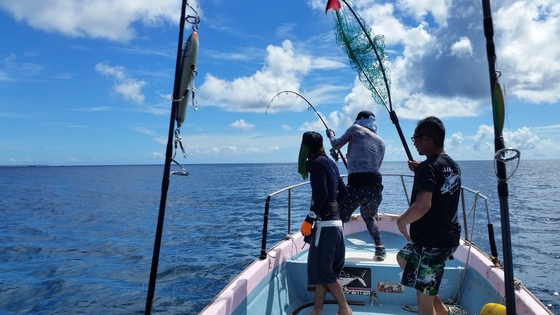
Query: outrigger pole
500, 156
167, 167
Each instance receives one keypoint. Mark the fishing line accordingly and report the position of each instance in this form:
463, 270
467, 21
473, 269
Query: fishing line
168, 155
335, 154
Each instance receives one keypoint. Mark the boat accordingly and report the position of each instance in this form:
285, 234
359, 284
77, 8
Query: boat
276, 282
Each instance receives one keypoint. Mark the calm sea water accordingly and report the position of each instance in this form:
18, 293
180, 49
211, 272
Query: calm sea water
79, 240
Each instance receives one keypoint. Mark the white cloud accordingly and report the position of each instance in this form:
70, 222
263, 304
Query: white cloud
105, 19
528, 49
145, 131
483, 138
462, 48
127, 87
242, 124
455, 140
419, 9
283, 70
524, 139
443, 68
13, 69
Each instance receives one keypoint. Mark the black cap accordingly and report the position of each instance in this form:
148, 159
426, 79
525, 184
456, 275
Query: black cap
365, 114
313, 140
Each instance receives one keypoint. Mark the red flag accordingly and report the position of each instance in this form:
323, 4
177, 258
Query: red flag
332, 4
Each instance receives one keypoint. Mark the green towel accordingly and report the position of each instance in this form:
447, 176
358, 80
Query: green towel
302, 161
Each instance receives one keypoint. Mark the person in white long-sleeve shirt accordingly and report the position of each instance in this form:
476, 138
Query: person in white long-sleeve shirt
366, 150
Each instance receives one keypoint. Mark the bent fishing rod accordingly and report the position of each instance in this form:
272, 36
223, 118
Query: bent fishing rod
339, 154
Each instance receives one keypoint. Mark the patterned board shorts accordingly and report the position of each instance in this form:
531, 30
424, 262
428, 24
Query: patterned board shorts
424, 267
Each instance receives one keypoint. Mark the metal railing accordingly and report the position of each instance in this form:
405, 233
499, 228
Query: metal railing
468, 196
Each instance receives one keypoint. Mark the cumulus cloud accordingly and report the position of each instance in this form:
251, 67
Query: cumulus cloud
523, 138
127, 87
528, 49
284, 69
483, 138
455, 140
462, 48
242, 124
436, 50
107, 19
443, 66
439, 45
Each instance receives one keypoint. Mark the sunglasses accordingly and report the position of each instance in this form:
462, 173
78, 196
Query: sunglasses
413, 138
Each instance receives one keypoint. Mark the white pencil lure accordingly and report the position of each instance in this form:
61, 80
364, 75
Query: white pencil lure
188, 72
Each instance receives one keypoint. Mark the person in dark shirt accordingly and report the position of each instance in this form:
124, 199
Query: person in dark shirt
432, 215
327, 250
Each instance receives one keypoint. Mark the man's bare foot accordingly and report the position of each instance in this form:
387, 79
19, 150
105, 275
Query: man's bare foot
348, 311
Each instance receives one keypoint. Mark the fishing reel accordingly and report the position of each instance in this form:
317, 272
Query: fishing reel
334, 154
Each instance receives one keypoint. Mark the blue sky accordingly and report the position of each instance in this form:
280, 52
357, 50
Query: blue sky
89, 82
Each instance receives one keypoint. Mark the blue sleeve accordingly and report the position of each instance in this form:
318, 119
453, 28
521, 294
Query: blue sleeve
342, 191
319, 189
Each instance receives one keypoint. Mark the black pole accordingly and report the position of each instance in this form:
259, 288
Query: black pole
167, 167
500, 164
265, 228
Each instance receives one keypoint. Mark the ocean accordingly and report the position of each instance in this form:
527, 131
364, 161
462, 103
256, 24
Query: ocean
79, 239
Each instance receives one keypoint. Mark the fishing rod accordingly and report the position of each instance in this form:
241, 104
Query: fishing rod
167, 167
352, 49
338, 153
502, 155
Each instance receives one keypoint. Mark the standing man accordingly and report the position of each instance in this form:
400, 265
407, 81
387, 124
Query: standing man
432, 216
365, 154
325, 259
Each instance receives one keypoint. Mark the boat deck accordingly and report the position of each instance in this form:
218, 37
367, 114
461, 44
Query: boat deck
360, 310
373, 286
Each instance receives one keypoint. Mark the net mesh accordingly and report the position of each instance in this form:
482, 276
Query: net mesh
366, 59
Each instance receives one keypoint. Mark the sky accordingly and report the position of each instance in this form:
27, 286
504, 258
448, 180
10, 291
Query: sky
91, 82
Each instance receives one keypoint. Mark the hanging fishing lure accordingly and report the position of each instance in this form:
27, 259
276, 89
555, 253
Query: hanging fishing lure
367, 56
188, 72
189, 57
334, 153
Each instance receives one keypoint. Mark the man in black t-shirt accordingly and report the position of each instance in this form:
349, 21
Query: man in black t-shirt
432, 215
